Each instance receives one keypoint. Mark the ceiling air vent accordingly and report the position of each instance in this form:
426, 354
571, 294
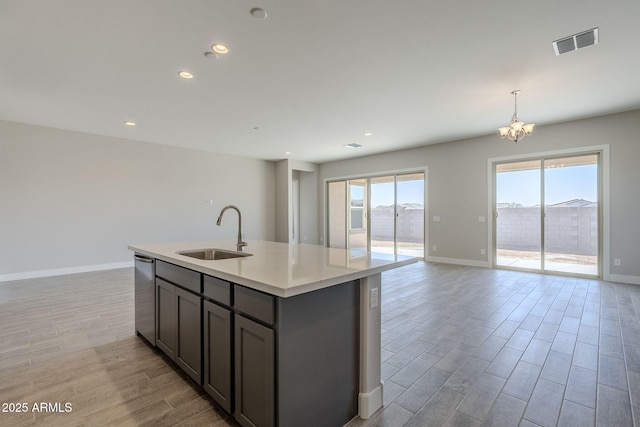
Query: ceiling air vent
352, 145
576, 41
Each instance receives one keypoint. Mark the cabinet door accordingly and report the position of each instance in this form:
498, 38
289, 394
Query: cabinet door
254, 373
189, 337
166, 317
217, 353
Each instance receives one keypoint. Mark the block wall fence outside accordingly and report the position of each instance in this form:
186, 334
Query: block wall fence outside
410, 224
568, 229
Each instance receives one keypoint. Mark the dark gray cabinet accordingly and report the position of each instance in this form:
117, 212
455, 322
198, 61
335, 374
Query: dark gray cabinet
179, 317
254, 373
254, 356
217, 353
166, 332
266, 360
188, 353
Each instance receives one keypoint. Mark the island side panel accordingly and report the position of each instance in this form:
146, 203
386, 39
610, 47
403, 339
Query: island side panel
318, 357
371, 393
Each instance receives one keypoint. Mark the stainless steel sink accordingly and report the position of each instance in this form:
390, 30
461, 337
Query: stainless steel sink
213, 254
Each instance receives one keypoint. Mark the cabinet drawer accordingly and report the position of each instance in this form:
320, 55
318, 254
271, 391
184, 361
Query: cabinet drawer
216, 289
256, 304
180, 276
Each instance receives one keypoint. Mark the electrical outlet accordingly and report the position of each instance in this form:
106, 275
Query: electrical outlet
480, 219
375, 296
482, 252
616, 262
433, 248
436, 219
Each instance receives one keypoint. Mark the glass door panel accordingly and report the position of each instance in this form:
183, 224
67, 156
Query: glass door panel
337, 214
356, 219
571, 214
378, 214
410, 214
382, 214
518, 239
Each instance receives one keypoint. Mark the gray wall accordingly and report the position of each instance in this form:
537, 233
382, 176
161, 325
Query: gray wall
71, 199
458, 179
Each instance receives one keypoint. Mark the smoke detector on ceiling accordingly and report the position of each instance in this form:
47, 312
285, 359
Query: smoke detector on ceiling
576, 41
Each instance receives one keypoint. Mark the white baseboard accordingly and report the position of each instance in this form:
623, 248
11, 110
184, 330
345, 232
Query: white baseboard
369, 403
618, 278
61, 271
623, 278
458, 261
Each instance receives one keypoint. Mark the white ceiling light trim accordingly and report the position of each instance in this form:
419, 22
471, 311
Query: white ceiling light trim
258, 13
220, 48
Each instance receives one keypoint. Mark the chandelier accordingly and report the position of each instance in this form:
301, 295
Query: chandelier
517, 130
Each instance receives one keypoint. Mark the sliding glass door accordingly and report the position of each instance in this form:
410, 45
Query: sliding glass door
379, 214
547, 216
518, 215
410, 214
383, 213
356, 219
337, 214
571, 232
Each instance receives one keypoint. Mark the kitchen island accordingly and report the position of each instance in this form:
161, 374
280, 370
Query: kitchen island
283, 335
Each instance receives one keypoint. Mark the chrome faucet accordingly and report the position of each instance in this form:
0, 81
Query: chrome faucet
240, 245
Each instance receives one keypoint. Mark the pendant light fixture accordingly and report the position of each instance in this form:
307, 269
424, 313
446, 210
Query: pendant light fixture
517, 130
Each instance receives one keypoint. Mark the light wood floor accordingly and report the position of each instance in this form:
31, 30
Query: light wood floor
461, 347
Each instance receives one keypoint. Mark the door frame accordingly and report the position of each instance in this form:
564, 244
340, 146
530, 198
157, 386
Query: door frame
604, 205
367, 176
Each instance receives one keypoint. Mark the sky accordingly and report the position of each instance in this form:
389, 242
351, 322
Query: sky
561, 184
408, 192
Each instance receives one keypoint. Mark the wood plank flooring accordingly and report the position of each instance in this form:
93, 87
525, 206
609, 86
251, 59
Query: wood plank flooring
462, 346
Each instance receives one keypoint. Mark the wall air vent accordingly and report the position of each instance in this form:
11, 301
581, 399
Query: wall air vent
576, 41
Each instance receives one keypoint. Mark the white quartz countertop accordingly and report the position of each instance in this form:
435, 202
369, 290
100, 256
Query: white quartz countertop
279, 269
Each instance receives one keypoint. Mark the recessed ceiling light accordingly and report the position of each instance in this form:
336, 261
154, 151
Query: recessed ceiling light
352, 145
185, 75
220, 48
129, 123
368, 133
287, 152
258, 13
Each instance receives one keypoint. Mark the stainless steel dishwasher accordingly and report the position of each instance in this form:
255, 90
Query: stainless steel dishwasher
145, 297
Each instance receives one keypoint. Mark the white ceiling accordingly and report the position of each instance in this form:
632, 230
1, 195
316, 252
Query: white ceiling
315, 74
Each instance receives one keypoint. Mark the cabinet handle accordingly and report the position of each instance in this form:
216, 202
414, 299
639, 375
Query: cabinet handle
143, 259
